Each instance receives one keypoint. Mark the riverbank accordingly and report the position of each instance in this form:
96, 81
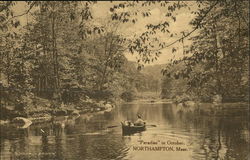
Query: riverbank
200, 108
45, 110
47, 118
150, 101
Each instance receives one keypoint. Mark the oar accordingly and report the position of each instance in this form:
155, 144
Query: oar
113, 126
151, 125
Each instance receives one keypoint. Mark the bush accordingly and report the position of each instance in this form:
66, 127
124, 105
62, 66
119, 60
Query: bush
182, 98
100, 95
127, 96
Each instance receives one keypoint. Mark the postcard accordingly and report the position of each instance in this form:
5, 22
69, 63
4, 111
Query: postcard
124, 80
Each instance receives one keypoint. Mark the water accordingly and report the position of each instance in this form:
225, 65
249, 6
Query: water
201, 135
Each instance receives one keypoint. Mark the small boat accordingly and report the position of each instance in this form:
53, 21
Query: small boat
130, 129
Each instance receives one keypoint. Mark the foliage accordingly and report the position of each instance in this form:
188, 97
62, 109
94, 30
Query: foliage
62, 56
147, 45
127, 96
220, 52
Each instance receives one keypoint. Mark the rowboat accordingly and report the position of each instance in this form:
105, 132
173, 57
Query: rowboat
130, 129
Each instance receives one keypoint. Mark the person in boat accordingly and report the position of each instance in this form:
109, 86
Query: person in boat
139, 121
128, 123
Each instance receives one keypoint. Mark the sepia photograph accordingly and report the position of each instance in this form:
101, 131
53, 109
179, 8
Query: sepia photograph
124, 80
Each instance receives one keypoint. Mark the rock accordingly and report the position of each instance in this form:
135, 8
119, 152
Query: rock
21, 121
60, 113
78, 107
217, 99
180, 105
108, 106
59, 118
44, 118
97, 109
84, 111
189, 104
2, 122
101, 104
74, 114
108, 110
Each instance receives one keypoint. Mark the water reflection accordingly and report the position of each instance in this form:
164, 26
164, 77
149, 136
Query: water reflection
205, 135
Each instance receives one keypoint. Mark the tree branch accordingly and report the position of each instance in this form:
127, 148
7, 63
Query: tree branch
31, 6
196, 27
5, 6
240, 16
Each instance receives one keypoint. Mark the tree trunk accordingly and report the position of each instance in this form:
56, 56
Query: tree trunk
55, 54
53, 47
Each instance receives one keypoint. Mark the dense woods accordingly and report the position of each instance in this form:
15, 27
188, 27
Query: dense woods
62, 56
219, 64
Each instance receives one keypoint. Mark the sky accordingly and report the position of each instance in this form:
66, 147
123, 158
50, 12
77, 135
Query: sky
183, 17
101, 11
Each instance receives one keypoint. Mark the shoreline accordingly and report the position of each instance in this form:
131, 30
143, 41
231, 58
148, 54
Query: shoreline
76, 114
69, 113
46, 116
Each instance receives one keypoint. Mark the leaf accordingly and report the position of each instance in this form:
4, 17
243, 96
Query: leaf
173, 50
111, 9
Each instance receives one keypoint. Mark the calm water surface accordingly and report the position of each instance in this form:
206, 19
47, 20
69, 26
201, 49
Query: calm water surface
201, 135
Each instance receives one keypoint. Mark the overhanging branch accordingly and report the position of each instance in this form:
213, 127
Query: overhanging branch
31, 6
196, 27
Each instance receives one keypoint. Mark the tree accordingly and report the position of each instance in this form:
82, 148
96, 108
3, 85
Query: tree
219, 52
